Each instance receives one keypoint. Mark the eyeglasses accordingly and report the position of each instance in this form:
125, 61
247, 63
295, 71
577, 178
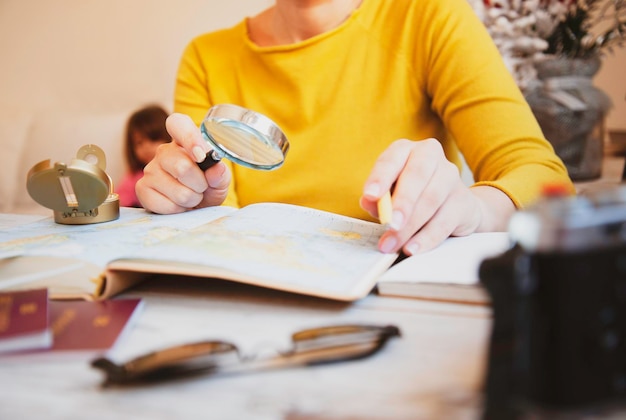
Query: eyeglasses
314, 346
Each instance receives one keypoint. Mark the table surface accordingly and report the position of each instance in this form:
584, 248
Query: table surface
612, 169
434, 370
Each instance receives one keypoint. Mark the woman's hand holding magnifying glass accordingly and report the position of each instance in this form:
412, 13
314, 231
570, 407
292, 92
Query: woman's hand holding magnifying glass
173, 182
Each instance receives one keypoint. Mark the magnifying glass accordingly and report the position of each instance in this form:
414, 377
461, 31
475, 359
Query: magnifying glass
244, 137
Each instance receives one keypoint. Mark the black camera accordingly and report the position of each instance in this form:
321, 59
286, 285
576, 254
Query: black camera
558, 340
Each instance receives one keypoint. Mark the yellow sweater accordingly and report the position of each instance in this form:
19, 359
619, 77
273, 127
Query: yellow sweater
395, 69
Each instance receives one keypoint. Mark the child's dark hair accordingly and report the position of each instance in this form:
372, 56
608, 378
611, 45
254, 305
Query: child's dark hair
150, 121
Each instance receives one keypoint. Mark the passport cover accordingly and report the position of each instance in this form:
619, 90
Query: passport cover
82, 325
24, 320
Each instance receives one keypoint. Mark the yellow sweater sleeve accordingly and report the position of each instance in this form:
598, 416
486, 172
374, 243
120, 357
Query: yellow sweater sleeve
395, 69
482, 107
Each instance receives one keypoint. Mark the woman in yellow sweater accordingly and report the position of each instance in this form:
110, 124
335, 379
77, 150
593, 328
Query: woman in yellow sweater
373, 95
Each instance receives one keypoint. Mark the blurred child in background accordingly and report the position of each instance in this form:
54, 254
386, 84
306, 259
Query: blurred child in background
145, 131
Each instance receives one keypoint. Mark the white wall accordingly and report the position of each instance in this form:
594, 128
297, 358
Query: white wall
94, 55
612, 79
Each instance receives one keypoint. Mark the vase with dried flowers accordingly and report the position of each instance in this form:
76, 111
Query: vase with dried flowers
553, 48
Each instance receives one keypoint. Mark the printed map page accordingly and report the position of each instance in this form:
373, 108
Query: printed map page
279, 246
42, 252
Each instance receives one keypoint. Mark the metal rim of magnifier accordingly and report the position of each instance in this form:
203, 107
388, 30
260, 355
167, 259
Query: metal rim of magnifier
246, 137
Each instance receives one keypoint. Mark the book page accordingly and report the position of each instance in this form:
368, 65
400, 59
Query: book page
456, 261
279, 246
46, 254
12, 221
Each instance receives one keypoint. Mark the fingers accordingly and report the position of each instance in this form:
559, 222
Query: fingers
154, 200
188, 137
173, 182
459, 214
423, 189
382, 178
408, 167
429, 200
185, 133
386, 170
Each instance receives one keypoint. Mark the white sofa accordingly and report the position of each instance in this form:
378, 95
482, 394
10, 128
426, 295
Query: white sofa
31, 138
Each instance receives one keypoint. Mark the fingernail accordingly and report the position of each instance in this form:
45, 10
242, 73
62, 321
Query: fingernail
372, 190
412, 248
218, 176
198, 154
389, 244
397, 218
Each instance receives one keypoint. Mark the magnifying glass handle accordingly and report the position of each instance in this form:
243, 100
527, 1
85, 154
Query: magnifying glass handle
211, 159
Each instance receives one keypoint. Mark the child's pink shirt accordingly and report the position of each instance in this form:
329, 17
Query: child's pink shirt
126, 189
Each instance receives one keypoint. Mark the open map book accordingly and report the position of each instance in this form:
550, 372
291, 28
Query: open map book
279, 246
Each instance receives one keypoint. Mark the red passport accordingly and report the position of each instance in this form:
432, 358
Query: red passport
80, 325
24, 320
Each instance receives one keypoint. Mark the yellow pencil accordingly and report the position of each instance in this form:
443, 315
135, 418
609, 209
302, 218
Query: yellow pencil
385, 209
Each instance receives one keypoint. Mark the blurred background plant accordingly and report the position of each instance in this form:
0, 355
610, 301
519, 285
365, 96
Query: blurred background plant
526, 31
553, 49
589, 27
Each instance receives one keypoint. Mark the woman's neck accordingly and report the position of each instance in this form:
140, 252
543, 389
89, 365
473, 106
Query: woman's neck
291, 21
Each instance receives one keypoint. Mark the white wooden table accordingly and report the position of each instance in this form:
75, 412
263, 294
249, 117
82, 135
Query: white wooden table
435, 370
612, 169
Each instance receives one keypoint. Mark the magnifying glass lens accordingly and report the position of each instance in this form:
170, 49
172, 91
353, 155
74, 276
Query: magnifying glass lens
245, 137
238, 141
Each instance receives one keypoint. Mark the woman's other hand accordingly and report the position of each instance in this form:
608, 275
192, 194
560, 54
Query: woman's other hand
173, 182
430, 201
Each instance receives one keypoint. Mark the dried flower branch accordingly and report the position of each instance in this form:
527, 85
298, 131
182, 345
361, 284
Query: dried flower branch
525, 31
574, 37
